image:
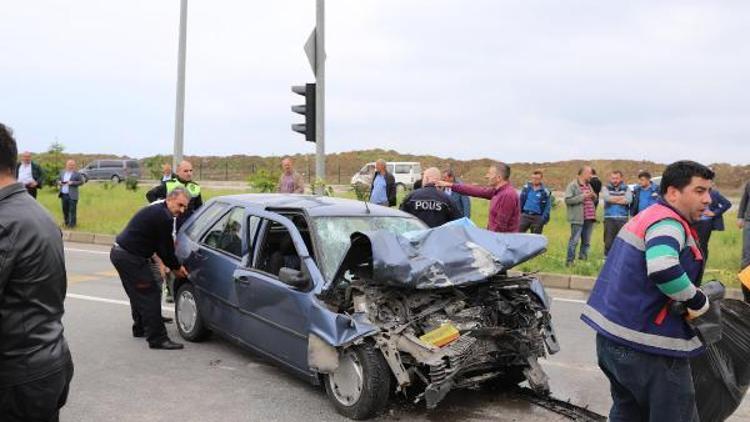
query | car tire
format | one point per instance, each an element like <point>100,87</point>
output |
<point>188,318</point>
<point>360,386</point>
<point>115,179</point>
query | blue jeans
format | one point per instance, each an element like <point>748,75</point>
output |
<point>582,233</point>
<point>646,387</point>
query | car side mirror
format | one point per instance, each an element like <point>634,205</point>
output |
<point>294,278</point>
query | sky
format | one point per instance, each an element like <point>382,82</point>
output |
<point>517,81</point>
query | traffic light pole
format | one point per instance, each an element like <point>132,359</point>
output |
<point>320,58</point>
<point>179,118</point>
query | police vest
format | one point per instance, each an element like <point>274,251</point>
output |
<point>193,188</point>
<point>625,305</point>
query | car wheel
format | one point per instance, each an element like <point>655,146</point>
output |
<point>187,315</point>
<point>359,387</point>
<point>115,179</point>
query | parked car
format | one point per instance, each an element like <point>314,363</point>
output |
<point>405,173</point>
<point>364,299</point>
<point>114,170</point>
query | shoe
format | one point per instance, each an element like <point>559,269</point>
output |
<point>167,320</point>
<point>139,334</point>
<point>166,345</point>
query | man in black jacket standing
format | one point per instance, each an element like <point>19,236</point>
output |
<point>383,187</point>
<point>150,231</point>
<point>429,204</point>
<point>35,363</point>
<point>29,173</point>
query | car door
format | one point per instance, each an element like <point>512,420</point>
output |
<point>275,316</point>
<point>219,255</point>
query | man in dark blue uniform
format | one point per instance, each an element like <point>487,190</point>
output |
<point>430,204</point>
<point>150,231</point>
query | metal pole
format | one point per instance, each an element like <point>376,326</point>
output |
<point>179,119</point>
<point>320,152</point>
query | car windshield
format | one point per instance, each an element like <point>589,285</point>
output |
<point>333,235</point>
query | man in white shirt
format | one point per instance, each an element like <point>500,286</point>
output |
<point>68,182</point>
<point>29,173</point>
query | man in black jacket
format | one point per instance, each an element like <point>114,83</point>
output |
<point>29,173</point>
<point>743,222</point>
<point>150,231</point>
<point>35,363</point>
<point>383,187</point>
<point>429,204</point>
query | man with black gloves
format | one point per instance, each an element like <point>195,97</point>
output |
<point>429,204</point>
<point>150,231</point>
<point>35,363</point>
<point>655,260</point>
<point>183,178</point>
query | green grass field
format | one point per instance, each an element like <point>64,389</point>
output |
<point>107,211</point>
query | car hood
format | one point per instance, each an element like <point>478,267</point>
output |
<point>455,254</point>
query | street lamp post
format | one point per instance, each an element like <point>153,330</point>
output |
<point>179,120</point>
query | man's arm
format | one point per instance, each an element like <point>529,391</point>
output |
<point>299,183</point>
<point>165,246</point>
<point>664,241</point>
<point>722,206</point>
<point>7,257</point>
<point>75,179</point>
<point>473,190</point>
<point>743,203</point>
<point>390,185</point>
<point>570,197</point>
<point>548,207</point>
<point>156,193</point>
<point>508,212</point>
<point>198,202</point>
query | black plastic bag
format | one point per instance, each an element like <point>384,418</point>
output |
<point>722,374</point>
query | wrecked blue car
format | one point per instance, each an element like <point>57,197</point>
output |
<point>364,299</point>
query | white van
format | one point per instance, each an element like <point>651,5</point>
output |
<point>405,173</point>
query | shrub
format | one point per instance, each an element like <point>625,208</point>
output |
<point>262,181</point>
<point>131,183</point>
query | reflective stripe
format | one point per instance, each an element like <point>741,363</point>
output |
<point>632,239</point>
<point>645,339</point>
<point>193,188</point>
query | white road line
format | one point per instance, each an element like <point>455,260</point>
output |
<point>105,300</point>
<point>562,299</point>
<point>87,251</point>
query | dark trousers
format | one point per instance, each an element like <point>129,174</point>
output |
<point>69,209</point>
<point>612,226</point>
<point>704,229</point>
<point>646,387</point>
<point>534,222</point>
<point>36,401</point>
<point>580,233</point>
<point>746,255</point>
<point>143,288</point>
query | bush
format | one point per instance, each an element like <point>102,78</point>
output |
<point>361,191</point>
<point>263,181</point>
<point>131,183</point>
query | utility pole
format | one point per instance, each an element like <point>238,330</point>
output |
<point>179,119</point>
<point>320,58</point>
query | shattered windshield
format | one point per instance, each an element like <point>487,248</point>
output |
<point>333,235</point>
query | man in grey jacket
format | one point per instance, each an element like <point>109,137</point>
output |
<point>580,201</point>
<point>743,222</point>
<point>35,363</point>
<point>68,183</point>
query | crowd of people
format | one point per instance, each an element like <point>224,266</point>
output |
<point>656,240</point>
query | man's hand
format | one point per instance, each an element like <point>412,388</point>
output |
<point>32,184</point>
<point>709,213</point>
<point>181,272</point>
<point>695,313</point>
<point>740,223</point>
<point>443,184</point>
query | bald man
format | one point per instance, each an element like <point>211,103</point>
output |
<point>68,183</point>
<point>431,205</point>
<point>183,178</point>
<point>29,173</point>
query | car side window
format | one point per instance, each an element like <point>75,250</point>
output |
<point>207,216</point>
<point>253,225</point>
<point>276,250</point>
<point>226,234</point>
<point>403,168</point>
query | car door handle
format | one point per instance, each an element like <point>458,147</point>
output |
<point>243,279</point>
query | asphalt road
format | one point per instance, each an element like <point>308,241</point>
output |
<point>118,378</point>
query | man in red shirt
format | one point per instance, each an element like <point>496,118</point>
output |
<point>505,211</point>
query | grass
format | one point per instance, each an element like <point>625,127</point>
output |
<point>102,210</point>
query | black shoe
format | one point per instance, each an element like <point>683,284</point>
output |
<point>166,345</point>
<point>139,334</point>
<point>166,320</point>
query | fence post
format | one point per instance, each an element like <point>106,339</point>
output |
<point>200,170</point>
<point>226,170</point>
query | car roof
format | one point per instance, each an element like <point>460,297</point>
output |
<point>312,205</point>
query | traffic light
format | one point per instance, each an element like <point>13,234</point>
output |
<point>307,110</point>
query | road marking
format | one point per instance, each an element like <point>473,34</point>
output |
<point>78,278</point>
<point>87,251</point>
<point>562,299</point>
<point>106,300</point>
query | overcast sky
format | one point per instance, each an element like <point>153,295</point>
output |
<point>511,80</point>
